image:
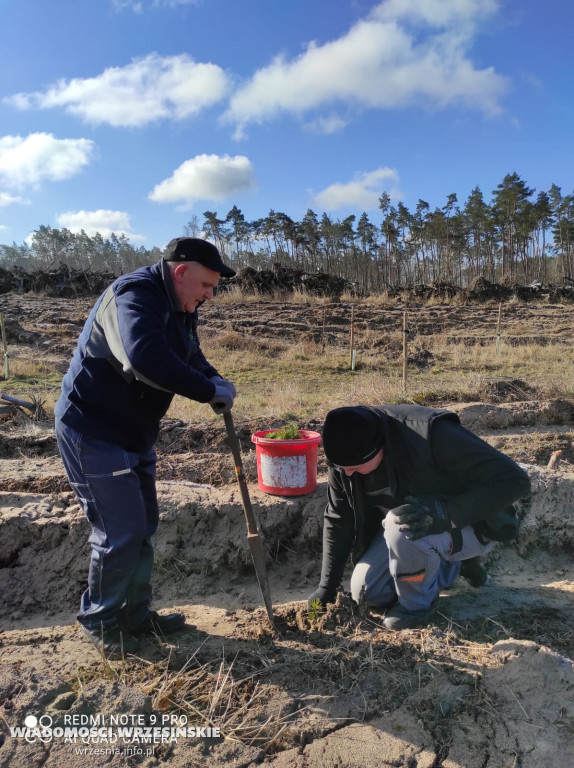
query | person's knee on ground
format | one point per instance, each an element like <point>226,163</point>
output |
<point>359,582</point>
<point>372,584</point>
<point>373,595</point>
<point>371,578</point>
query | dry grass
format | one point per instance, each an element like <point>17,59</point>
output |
<point>301,375</point>
<point>236,295</point>
<point>277,380</point>
<point>33,378</point>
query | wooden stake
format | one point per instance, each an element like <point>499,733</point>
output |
<point>498,328</point>
<point>405,350</point>
<point>5,345</point>
<point>352,335</point>
<point>323,331</point>
<point>554,460</point>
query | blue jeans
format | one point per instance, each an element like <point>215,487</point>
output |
<point>116,490</point>
<point>412,571</point>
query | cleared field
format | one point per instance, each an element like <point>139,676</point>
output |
<point>489,683</point>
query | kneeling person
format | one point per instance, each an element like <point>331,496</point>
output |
<point>419,499</point>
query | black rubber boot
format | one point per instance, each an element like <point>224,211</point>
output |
<point>475,573</point>
<point>154,624</point>
<point>399,618</point>
<point>111,642</point>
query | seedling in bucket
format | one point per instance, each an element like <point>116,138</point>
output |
<point>289,432</point>
<point>286,466</point>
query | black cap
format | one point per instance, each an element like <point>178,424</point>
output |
<point>195,249</point>
<point>352,435</point>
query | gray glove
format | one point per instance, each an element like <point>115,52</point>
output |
<point>222,400</point>
<point>219,380</point>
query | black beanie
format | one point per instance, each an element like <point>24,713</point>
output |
<point>352,435</point>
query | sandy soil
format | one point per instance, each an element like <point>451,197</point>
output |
<point>489,683</point>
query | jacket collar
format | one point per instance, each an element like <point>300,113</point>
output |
<point>169,287</point>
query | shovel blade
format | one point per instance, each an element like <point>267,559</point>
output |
<point>258,557</point>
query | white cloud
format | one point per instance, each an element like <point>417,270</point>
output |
<point>102,221</point>
<point>435,13</point>
<point>394,58</point>
<point>362,193</point>
<point>146,90</point>
<point>137,6</point>
<point>328,124</point>
<point>174,3</point>
<point>205,177</point>
<point>7,199</point>
<point>40,156</point>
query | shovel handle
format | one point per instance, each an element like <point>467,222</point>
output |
<point>242,480</point>
<point>253,539</point>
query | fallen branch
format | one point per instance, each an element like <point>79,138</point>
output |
<point>36,407</point>
<point>17,401</point>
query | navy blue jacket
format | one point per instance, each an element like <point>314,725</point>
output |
<point>137,349</point>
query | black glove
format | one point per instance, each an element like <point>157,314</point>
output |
<point>322,596</point>
<point>422,517</point>
<point>222,400</point>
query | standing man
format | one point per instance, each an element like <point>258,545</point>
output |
<point>418,496</point>
<point>139,347</point>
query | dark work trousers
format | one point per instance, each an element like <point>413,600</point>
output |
<point>116,489</point>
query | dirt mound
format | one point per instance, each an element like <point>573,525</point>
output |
<point>44,539</point>
<point>61,281</point>
<point>286,280</point>
<point>482,290</point>
<point>65,281</point>
<point>547,522</point>
<point>480,416</point>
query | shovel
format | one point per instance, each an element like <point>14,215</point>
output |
<point>252,531</point>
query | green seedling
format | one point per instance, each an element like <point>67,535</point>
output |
<point>316,610</point>
<point>289,432</point>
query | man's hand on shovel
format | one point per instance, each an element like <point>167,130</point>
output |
<point>222,400</point>
<point>253,539</point>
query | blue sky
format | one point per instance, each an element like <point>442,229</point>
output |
<point>135,115</point>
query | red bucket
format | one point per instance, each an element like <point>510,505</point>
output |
<point>287,467</point>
